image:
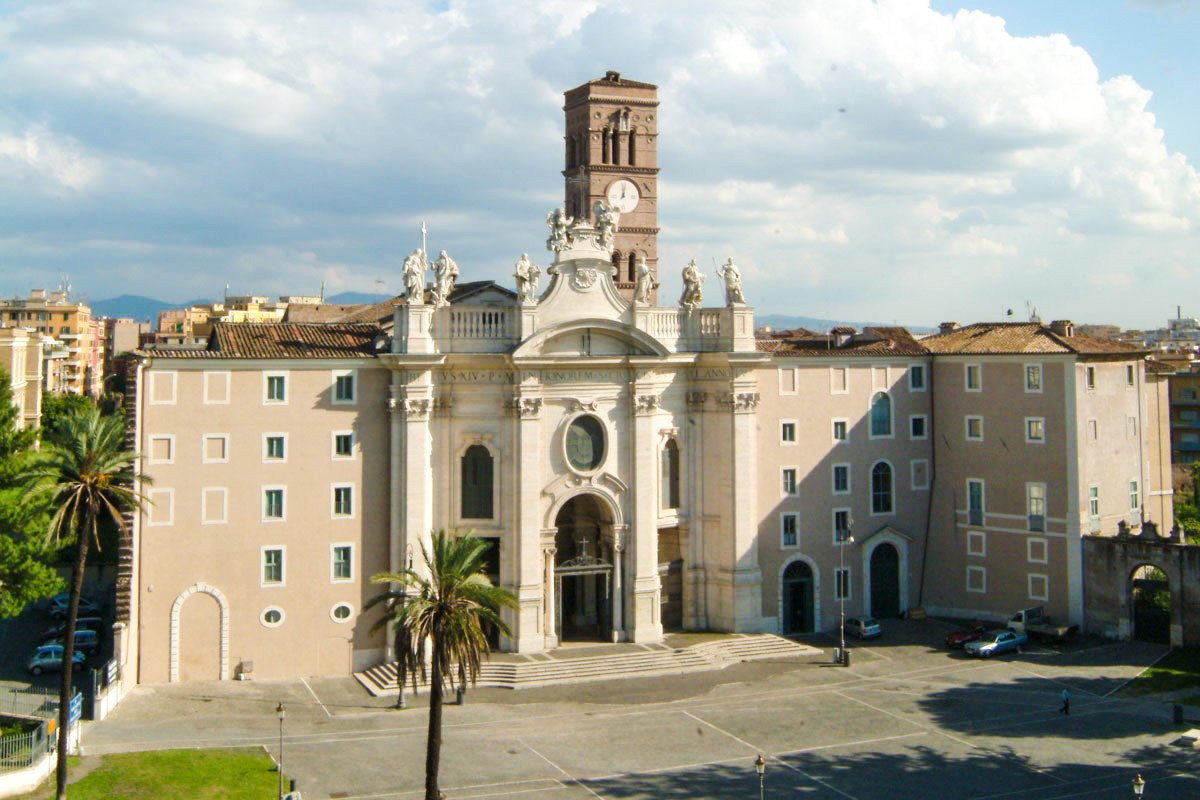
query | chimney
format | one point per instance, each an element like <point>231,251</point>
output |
<point>946,327</point>
<point>841,334</point>
<point>1063,327</point>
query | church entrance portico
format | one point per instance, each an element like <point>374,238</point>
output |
<point>585,576</point>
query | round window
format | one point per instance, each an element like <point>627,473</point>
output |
<point>341,612</point>
<point>272,617</point>
<point>585,444</point>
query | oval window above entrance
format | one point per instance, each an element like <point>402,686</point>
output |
<point>585,444</point>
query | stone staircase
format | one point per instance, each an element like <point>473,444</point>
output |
<point>654,661</point>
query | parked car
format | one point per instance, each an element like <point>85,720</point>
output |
<point>995,643</point>
<point>59,603</point>
<point>864,628</point>
<point>81,624</point>
<point>961,638</point>
<point>85,641</point>
<point>48,658</point>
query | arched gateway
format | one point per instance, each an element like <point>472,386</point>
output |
<point>584,571</point>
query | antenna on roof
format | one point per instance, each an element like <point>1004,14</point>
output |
<point>322,297</point>
<point>1031,312</point>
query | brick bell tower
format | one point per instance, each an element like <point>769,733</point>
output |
<point>612,155</point>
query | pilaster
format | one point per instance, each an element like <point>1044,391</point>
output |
<point>695,603</point>
<point>412,329</point>
<point>532,632</point>
<point>645,621</point>
<point>746,575</point>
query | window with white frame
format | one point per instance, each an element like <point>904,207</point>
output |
<point>916,377</point>
<point>341,613</point>
<point>341,563</point>
<point>272,566</point>
<point>973,377</point>
<point>1130,376</point>
<point>788,380</point>
<point>841,430</point>
<point>841,525</point>
<point>880,379</point>
<point>882,488</point>
<point>841,588</point>
<point>214,505</point>
<point>343,444</point>
<point>918,470</point>
<point>789,530</point>
<point>162,388</point>
<point>161,507</point>
<point>344,387</point>
<point>881,416</point>
<point>1035,430</point>
<point>787,431</point>
<point>788,475</point>
<point>161,449</point>
<point>342,500</point>
<point>839,380</point>
<point>1037,550</point>
<point>1089,378</point>
<point>272,503</point>
<point>1039,587</point>
<point>1035,505</point>
<point>275,388</point>
<point>976,543</point>
<point>974,429</point>
<point>918,427</point>
<point>841,479</point>
<point>274,447</point>
<point>1135,496</point>
<point>975,502</point>
<point>977,580</point>
<point>216,387</point>
<point>1033,377</point>
<point>214,448</point>
<point>1094,507</point>
<point>271,617</point>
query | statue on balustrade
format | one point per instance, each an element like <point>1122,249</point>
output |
<point>693,279</point>
<point>527,274</point>
<point>606,224</point>
<point>559,223</point>
<point>645,283</point>
<point>445,273</point>
<point>414,278</point>
<point>733,282</point>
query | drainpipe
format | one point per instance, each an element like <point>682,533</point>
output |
<point>932,485</point>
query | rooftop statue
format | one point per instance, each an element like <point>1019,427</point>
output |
<point>606,223</point>
<point>733,282</point>
<point>527,274</point>
<point>558,222</point>
<point>414,278</point>
<point>644,285</point>
<point>693,295</point>
<point>445,273</point>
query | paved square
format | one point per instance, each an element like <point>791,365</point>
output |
<point>907,719</point>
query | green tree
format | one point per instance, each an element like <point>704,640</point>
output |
<point>56,405</point>
<point>449,608</point>
<point>87,475</point>
<point>24,574</point>
<point>1196,484</point>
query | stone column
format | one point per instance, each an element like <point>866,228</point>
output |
<point>645,622</point>
<point>743,520</point>
<point>695,607</point>
<point>531,634</point>
<point>619,634</point>
<point>550,625</point>
<point>416,518</point>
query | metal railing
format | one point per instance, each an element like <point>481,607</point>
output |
<point>30,701</point>
<point>23,750</point>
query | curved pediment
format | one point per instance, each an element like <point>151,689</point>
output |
<point>590,337</point>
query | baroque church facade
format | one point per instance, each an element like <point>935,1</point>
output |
<point>635,467</point>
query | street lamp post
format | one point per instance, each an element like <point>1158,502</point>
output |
<point>760,766</point>
<point>280,712</point>
<point>1139,785</point>
<point>845,537</point>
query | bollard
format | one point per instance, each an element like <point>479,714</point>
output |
<point>845,658</point>
<point>1177,714</point>
<point>460,692</point>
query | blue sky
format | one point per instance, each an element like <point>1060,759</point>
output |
<point>892,160</point>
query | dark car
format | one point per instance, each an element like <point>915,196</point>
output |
<point>85,641</point>
<point>960,638</point>
<point>81,624</point>
<point>59,603</point>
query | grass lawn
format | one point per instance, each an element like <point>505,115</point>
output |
<point>246,774</point>
<point>1180,669</point>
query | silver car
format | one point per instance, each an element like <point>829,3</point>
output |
<point>864,627</point>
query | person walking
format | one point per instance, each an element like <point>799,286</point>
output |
<point>1066,706</point>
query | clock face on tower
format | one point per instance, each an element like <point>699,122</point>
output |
<point>623,196</point>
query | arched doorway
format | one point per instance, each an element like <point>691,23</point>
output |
<point>1150,593</point>
<point>583,570</point>
<point>798,591</point>
<point>885,581</point>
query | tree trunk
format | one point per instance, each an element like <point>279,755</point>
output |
<point>433,747</point>
<point>64,686</point>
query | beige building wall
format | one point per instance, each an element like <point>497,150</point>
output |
<point>201,594</point>
<point>19,357</point>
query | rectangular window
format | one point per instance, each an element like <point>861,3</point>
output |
<point>975,502</point>
<point>880,379</point>
<point>272,566</point>
<point>918,470</point>
<point>274,447</point>
<point>841,525</point>
<point>1089,378</point>
<point>162,449</point>
<point>1187,394</point>
<point>787,380</point>
<point>839,380</point>
<point>841,587</point>
<point>216,387</point>
<point>977,580</point>
<point>343,444</point>
<point>1035,430</point>
<point>841,479</point>
<point>1036,550</point>
<point>1093,430</point>
<point>840,427</point>
<point>916,378</point>
<point>343,387</point>
<point>161,509</point>
<point>1130,375</point>
<point>275,387</point>
<point>789,481</point>
<point>214,505</point>
<point>215,448</point>
<point>917,427</point>
<point>1039,587</point>
<point>976,543</point>
<point>341,566</point>
<point>973,376</point>
<point>273,504</point>
<point>162,388</point>
<point>1135,497</point>
<point>343,501</point>
<point>974,429</point>
<point>1094,507</point>
<point>789,529</point>
<point>787,432</point>
<point>1033,377</point>
<point>1035,503</point>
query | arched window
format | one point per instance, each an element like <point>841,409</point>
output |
<point>604,140</point>
<point>881,488</point>
<point>632,147</point>
<point>477,483</point>
<point>616,262</point>
<point>632,267</point>
<point>616,147</point>
<point>881,414</point>
<point>670,474</point>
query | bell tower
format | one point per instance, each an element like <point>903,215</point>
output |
<point>612,155</point>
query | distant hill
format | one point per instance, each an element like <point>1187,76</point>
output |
<point>130,305</point>
<point>780,322</point>
<point>350,298</point>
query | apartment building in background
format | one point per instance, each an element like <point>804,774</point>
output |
<point>68,321</point>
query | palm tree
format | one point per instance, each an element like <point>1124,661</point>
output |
<point>87,476</point>
<point>447,608</point>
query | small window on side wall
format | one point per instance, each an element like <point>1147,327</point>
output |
<point>477,472</point>
<point>670,475</point>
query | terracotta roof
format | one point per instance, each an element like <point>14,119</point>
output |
<point>873,341</point>
<point>380,313</point>
<point>324,312</point>
<point>1154,365</point>
<point>1020,337</point>
<point>283,340</point>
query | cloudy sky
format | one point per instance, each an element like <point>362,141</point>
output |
<point>897,160</point>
